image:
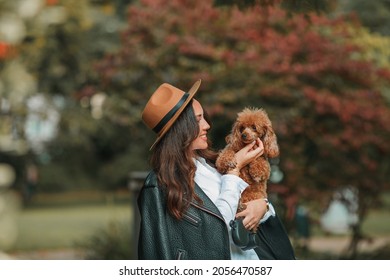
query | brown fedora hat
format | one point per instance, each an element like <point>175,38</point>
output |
<point>164,107</point>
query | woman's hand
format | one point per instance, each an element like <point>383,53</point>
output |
<point>252,214</point>
<point>246,155</point>
<point>249,153</point>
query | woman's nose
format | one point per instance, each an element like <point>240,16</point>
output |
<point>206,126</point>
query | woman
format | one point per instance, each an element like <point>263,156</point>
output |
<point>185,204</point>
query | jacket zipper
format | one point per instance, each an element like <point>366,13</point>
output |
<point>191,219</point>
<point>180,254</point>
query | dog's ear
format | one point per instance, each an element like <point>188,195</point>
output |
<point>271,148</point>
<point>233,139</point>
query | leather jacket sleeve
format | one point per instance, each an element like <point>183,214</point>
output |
<point>154,237</point>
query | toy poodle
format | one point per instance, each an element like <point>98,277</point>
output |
<point>251,123</point>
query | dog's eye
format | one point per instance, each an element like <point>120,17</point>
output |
<point>253,127</point>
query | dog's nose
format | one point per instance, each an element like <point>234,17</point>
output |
<point>244,136</point>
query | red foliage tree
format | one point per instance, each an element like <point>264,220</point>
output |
<point>327,108</point>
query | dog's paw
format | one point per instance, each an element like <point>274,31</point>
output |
<point>231,165</point>
<point>259,178</point>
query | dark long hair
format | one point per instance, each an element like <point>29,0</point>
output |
<point>172,160</point>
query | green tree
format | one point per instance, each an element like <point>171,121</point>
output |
<point>375,15</point>
<point>54,54</point>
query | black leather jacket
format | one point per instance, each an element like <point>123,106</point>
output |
<point>201,234</point>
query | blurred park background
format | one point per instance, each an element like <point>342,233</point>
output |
<point>75,75</point>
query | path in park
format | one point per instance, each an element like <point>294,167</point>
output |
<point>319,244</point>
<point>339,244</point>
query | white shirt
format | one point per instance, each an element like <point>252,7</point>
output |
<point>224,191</point>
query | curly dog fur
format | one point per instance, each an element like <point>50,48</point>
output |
<point>250,124</point>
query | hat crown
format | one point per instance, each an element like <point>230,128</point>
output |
<point>163,100</point>
<point>164,107</point>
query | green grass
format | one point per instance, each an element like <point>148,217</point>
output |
<point>51,228</point>
<point>377,223</point>
<point>55,221</point>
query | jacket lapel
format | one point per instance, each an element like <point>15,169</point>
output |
<point>207,205</point>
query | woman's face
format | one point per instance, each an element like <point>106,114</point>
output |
<point>200,142</point>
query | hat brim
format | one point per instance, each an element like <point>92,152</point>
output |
<point>165,129</point>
